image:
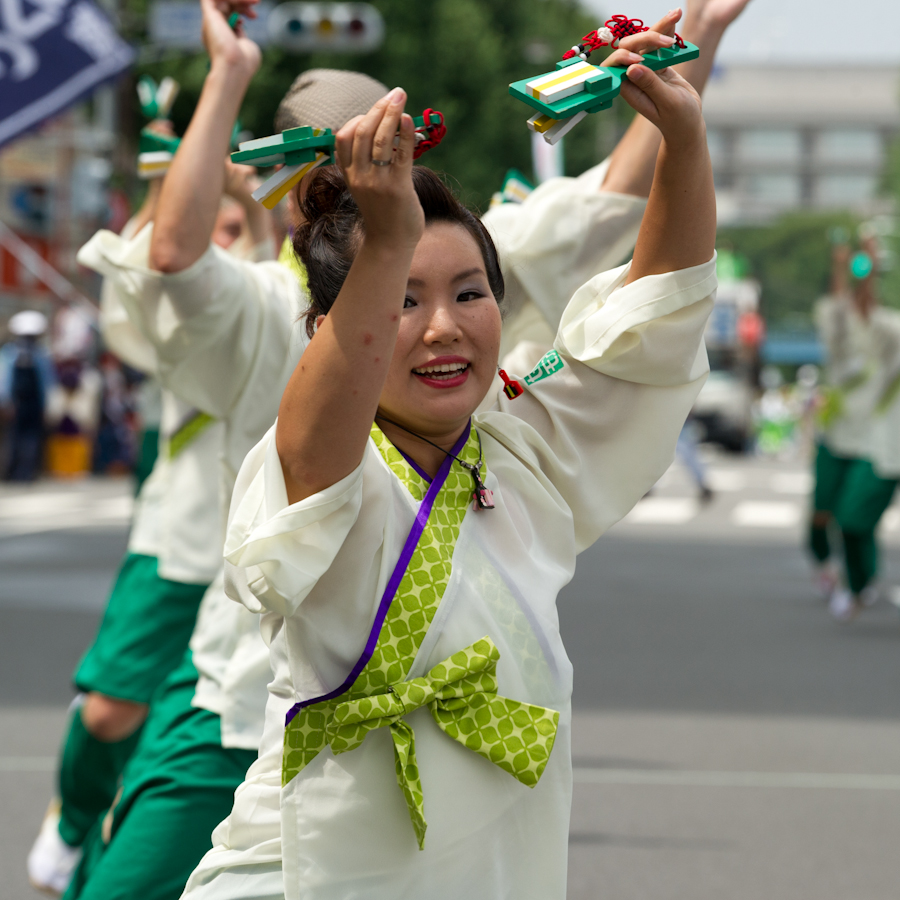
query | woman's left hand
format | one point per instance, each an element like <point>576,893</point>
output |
<point>669,102</point>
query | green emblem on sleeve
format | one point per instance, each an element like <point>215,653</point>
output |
<point>550,363</point>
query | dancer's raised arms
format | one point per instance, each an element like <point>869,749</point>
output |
<point>679,226</point>
<point>331,400</point>
<point>633,161</point>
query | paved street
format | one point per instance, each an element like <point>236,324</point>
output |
<point>730,740</point>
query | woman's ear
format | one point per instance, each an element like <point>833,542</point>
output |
<point>319,320</point>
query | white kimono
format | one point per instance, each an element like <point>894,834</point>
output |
<point>595,429</point>
<point>224,338</point>
<point>563,234</point>
<point>853,374</point>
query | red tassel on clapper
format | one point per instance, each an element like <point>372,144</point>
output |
<point>511,388</point>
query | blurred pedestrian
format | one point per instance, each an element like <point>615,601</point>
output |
<point>777,415</point>
<point>26,379</point>
<point>73,417</point>
<point>115,446</point>
<point>687,450</point>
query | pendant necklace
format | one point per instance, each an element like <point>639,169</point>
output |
<point>483,497</point>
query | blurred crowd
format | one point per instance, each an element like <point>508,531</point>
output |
<point>68,407</point>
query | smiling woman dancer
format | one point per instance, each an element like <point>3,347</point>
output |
<point>388,600</point>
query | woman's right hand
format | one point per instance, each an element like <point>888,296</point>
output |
<point>385,196</point>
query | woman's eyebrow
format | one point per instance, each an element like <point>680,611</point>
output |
<point>477,270</point>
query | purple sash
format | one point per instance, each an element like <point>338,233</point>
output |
<point>393,584</point>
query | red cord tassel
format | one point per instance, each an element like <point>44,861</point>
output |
<point>511,388</point>
<point>621,27</point>
<point>433,131</point>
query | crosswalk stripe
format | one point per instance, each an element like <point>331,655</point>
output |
<point>663,511</point>
<point>800,483</point>
<point>766,514</point>
<point>726,481</point>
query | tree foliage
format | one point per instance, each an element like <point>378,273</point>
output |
<point>457,56</point>
<point>791,258</point>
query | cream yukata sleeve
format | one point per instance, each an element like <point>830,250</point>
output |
<point>223,329</point>
<point>179,513</point>
<point>418,639</point>
<point>563,234</point>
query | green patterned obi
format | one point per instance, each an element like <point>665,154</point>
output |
<point>460,692</point>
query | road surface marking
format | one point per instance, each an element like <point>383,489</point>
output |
<point>725,481</point>
<point>47,516</point>
<point>791,483</point>
<point>766,514</point>
<point>663,511</point>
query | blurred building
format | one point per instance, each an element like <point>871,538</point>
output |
<point>54,195</point>
<point>812,137</point>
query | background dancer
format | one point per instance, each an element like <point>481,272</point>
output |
<point>846,488</point>
<point>174,552</point>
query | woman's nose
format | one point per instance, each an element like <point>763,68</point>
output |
<point>442,326</point>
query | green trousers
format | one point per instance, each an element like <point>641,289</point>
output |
<point>143,636</point>
<point>856,497</point>
<point>176,788</point>
<point>144,632</point>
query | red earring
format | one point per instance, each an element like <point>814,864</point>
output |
<point>511,388</point>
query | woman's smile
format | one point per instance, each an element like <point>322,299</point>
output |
<point>444,372</point>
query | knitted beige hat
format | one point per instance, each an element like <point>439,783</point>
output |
<point>327,98</point>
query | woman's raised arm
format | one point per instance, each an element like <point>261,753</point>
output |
<point>331,399</point>
<point>679,227</point>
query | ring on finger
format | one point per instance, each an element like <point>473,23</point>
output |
<point>382,162</point>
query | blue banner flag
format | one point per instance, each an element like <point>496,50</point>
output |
<point>52,53</point>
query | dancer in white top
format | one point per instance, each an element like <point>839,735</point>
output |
<point>855,331</point>
<point>384,592</point>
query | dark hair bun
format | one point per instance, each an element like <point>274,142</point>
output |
<point>329,237</point>
<point>325,203</point>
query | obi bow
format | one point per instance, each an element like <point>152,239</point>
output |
<point>461,693</point>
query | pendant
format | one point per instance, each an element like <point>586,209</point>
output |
<point>484,498</point>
